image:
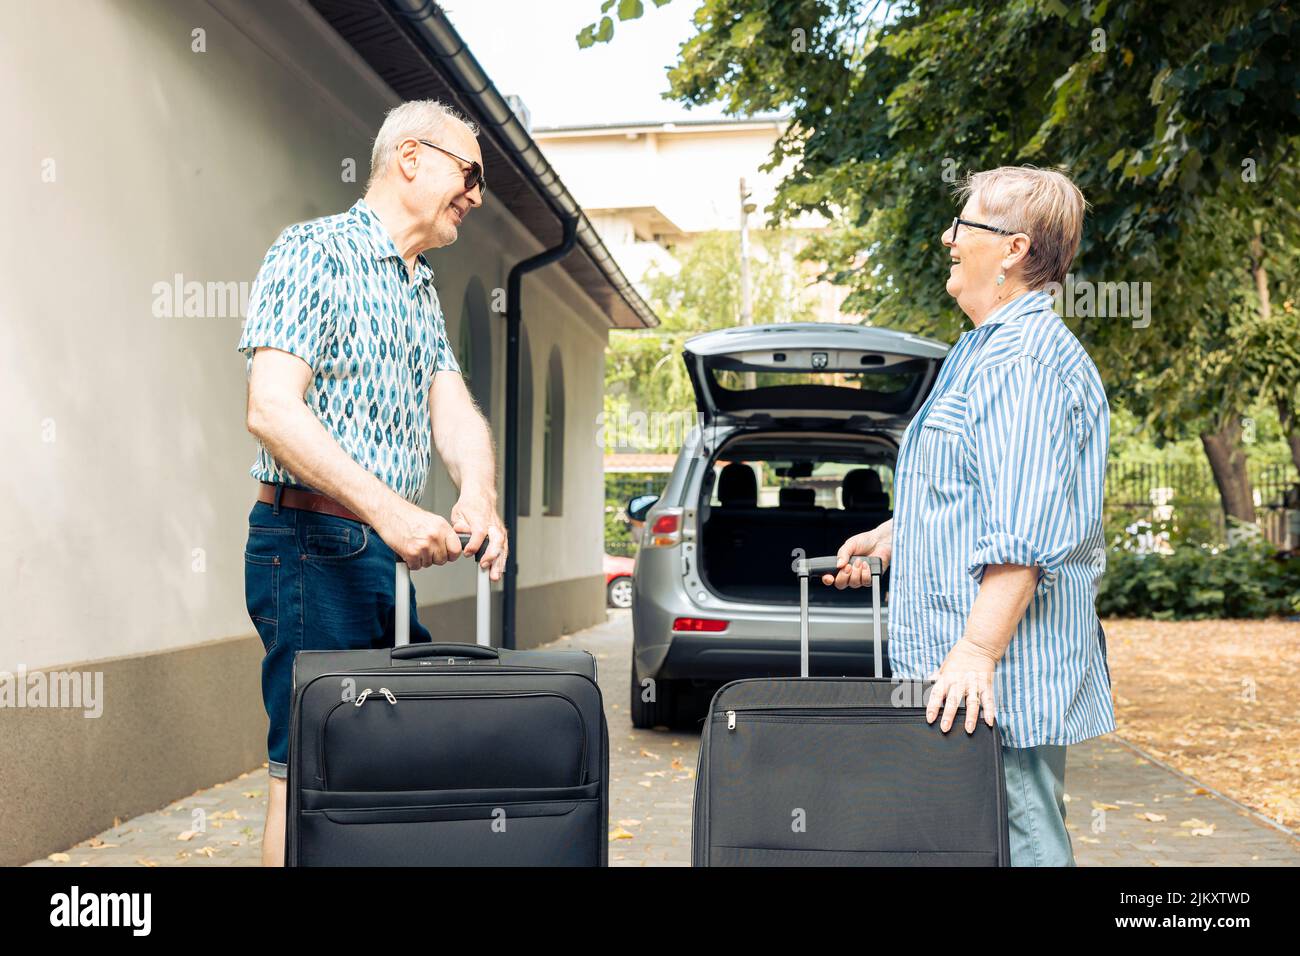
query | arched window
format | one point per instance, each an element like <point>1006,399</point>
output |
<point>553,440</point>
<point>525,471</point>
<point>475,346</point>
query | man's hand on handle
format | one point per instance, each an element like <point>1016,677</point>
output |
<point>476,516</point>
<point>878,542</point>
<point>420,538</point>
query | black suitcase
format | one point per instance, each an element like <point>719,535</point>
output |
<point>447,754</point>
<point>843,771</point>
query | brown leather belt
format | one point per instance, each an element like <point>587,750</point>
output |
<point>305,501</point>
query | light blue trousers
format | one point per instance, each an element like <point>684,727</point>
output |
<point>1036,806</point>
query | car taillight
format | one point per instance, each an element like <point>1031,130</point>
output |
<point>666,531</point>
<point>699,624</point>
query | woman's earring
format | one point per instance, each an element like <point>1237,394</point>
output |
<point>1001,278</point>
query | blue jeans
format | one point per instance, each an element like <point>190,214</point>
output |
<point>1036,806</point>
<point>314,582</point>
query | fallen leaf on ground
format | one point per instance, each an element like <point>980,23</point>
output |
<point>1152,817</point>
<point>144,862</point>
<point>185,836</point>
<point>1097,805</point>
<point>647,753</point>
<point>59,858</point>
<point>618,833</point>
<point>629,823</point>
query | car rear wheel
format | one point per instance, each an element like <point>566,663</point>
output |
<point>619,592</point>
<point>660,710</point>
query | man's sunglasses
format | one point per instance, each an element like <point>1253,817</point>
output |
<point>473,176</point>
<point>958,221</point>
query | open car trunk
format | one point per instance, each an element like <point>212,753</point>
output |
<point>769,495</point>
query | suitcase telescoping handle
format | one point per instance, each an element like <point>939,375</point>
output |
<point>829,565</point>
<point>483,608</point>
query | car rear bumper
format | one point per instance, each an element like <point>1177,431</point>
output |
<point>759,641</point>
<point>716,658</point>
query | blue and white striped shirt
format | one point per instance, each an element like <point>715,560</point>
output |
<point>1005,464</point>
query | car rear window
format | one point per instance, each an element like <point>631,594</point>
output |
<point>823,477</point>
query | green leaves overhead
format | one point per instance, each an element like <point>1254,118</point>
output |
<point>602,31</point>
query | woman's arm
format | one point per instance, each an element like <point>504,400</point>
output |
<point>967,671</point>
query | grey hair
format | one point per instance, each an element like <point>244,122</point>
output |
<point>1043,203</point>
<point>424,119</point>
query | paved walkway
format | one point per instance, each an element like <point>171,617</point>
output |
<point>1123,809</point>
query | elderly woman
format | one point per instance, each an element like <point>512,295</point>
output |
<point>996,538</point>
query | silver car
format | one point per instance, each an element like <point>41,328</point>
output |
<point>794,452</point>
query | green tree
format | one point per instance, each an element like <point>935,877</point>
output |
<point>1179,122</point>
<point>644,371</point>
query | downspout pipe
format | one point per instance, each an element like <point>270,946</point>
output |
<point>514,321</point>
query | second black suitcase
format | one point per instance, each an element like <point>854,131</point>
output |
<point>447,755</point>
<point>843,771</point>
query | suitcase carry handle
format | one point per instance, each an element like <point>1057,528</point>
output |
<point>806,566</point>
<point>482,610</point>
<point>412,652</point>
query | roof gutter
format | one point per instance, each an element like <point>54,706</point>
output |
<point>464,71</point>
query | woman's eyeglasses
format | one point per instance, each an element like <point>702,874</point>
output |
<point>958,221</point>
<point>473,176</point>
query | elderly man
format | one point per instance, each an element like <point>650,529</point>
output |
<point>351,382</point>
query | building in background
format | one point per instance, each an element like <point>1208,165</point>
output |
<point>160,147</point>
<point>651,188</point>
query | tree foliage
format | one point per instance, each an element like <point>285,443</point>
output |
<point>1179,121</point>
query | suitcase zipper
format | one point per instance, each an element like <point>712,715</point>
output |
<point>777,714</point>
<point>392,700</point>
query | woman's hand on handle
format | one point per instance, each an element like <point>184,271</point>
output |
<point>876,543</point>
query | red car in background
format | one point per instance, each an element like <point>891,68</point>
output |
<point>618,581</point>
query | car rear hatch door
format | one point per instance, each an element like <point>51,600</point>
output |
<point>811,374</point>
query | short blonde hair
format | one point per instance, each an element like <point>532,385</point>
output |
<point>423,119</point>
<point>1042,203</point>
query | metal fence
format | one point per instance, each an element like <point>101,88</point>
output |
<point>1187,494</point>
<point>1157,493</point>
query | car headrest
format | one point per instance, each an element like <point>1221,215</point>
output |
<point>737,486</point>
<point>861,490</point>
<point>798,497</point>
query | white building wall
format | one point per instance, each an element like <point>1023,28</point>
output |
<point>131,158</point>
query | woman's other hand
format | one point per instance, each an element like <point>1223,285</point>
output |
<point>966,673</point>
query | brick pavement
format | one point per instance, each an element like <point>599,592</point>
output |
<point>1123,809</point>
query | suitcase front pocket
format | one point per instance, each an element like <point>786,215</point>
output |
<point>453,742</point>
<point>827,785</point>
<point>484,827</point>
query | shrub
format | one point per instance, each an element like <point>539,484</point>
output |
<point>1249,579</point>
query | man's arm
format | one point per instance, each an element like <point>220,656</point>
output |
<point>464,443</point>
<point>282,422</point>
